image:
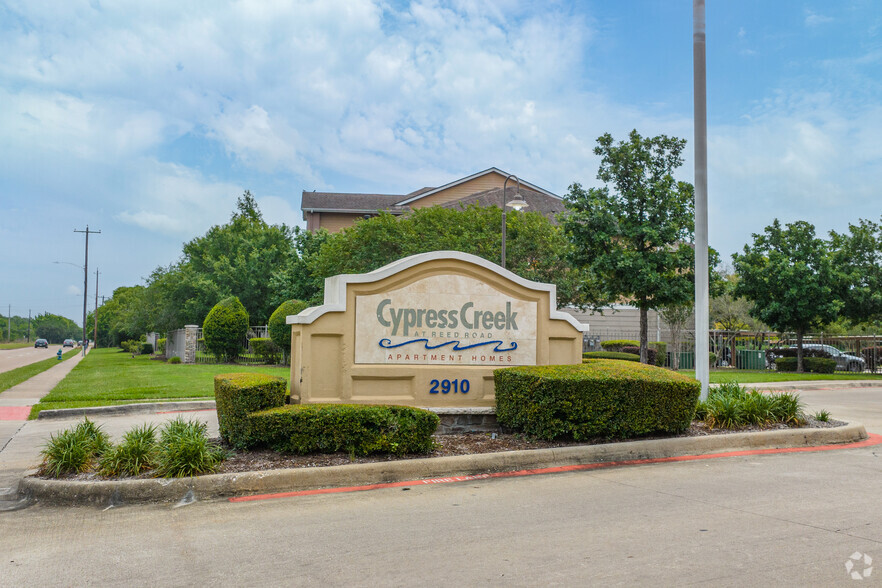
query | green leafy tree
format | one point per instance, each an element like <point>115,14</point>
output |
<point>225,328</point>
<point>788,275</point>
<point>55,328</point>
<point>537,249</point>
<point>858,256</point>
<point>279,329</point>
<point>634,235</point>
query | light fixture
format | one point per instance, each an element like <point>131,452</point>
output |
<point>517,203</point>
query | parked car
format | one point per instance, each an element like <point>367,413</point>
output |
<point>41,343</point>
<point>844,361</point>
<point>68,343</point>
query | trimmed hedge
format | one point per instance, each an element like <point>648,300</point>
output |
<point>356,429</point>
<point>617,344</point>
<point>237,396</point>
<point>265,349</point>
<point>279,329</point>
<point>146,349</point>
<point>773,353</point>
<point>610,355</point>
<point>818,365</point>
<point>225,328</point>
<point>651,354</point>
<point>600,398</point>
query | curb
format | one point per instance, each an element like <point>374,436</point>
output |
<point>120,492</point>
<point>124,409</point>
<point>817,385</point>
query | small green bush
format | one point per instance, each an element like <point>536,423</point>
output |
<point>265,349</point>
<point>73,450</point>
<point>160,346</point>
<point>817,365</point>
<point>185,450</point>
<point>131,346</point>
<point>279,329</point>
<point>238,395</point>
<point>661,352</point>
<point>146,349</point>
<point>224,329</point>
<point>617,344</point>
<point>355,429</point>
<point>174,359</point>
<point>135,454</point>
<point>610,355</point>
<point>731,406</point>
<point>600,398</point>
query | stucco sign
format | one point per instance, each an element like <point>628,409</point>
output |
<point>445,320</point>
<point>427,330</point>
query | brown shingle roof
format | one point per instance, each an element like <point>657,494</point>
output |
<point>549,206</point>
<point>338,201</point>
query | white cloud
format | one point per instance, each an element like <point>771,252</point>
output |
<point>813,19</point>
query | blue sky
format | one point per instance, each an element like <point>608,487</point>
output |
<point>147,120</point>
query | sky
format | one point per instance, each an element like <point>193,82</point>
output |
<point>146,120</point>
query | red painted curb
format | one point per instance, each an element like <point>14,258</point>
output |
<point>14,413</point>
<point>870,441</point>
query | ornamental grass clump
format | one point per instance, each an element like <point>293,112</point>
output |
<point>185,450</point>
<point>731,406</point>
<point>136,454</point>
<point>74,450</point>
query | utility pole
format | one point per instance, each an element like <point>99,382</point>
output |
<point>9,323</point>
<point>95,331</point>
<point>702,296</point>
<point>29,325</point>
<point>85,282</point>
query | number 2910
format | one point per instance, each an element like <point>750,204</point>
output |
<point>447,386</point>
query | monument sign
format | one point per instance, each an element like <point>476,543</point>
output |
<point>427,330</point>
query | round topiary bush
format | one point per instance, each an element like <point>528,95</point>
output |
<point>599,398</point>
<point>225,328</point>
<point>279,329</point>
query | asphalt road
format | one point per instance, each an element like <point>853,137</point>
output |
<point>13,358</point>
<point>785,519</point>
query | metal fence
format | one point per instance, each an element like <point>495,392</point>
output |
<point>747,349</point>
<point>176,342</point>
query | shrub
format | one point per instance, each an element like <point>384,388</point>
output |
<point>131,346</point>
<point>146,349</point>
<point>73,450</point>
<point>712,358</point>
<point>731,406</point>
<point>598,398</point>
<point>184,450</point>
<point>617,344</point>
<point>174,359</point>
<point>279,329</point>
<point>355,429</point>
<point>265,349</point>
<point>225,328</point>
<point>160,346</point>
<point>818,365</point>
<point>661,352</point>
<point>238,395</point>
<point>651,353</point>
<point>773,353</point>
<point>610,355</point>
<point>136,453</point>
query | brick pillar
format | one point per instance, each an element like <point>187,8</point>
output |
<point>190,343</point>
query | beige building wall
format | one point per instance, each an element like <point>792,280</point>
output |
<point>479,184</point>
<point>324,339</point>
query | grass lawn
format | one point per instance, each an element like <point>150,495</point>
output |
<point>107,376</point>
<point>18,375</point>
<point>752,376</point>
<point>15,345</point>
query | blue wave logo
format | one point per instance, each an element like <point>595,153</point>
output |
<point>457,346</point>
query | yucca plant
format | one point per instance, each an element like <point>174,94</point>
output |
<point>185,450</point>
<point>135,454</point>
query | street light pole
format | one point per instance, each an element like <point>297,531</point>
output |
<point>85,282</point>
<point>517,203</point>
<point>702,296</point>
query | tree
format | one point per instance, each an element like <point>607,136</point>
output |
<point>676,317</point>
<point>279,329</point>
<point>537,249</point>
<point>635,234</point>
<point>789,277</point>
<point>729,312</point>
<point>858,256</point>
<point>55,328</point>
<point>225,328</point>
